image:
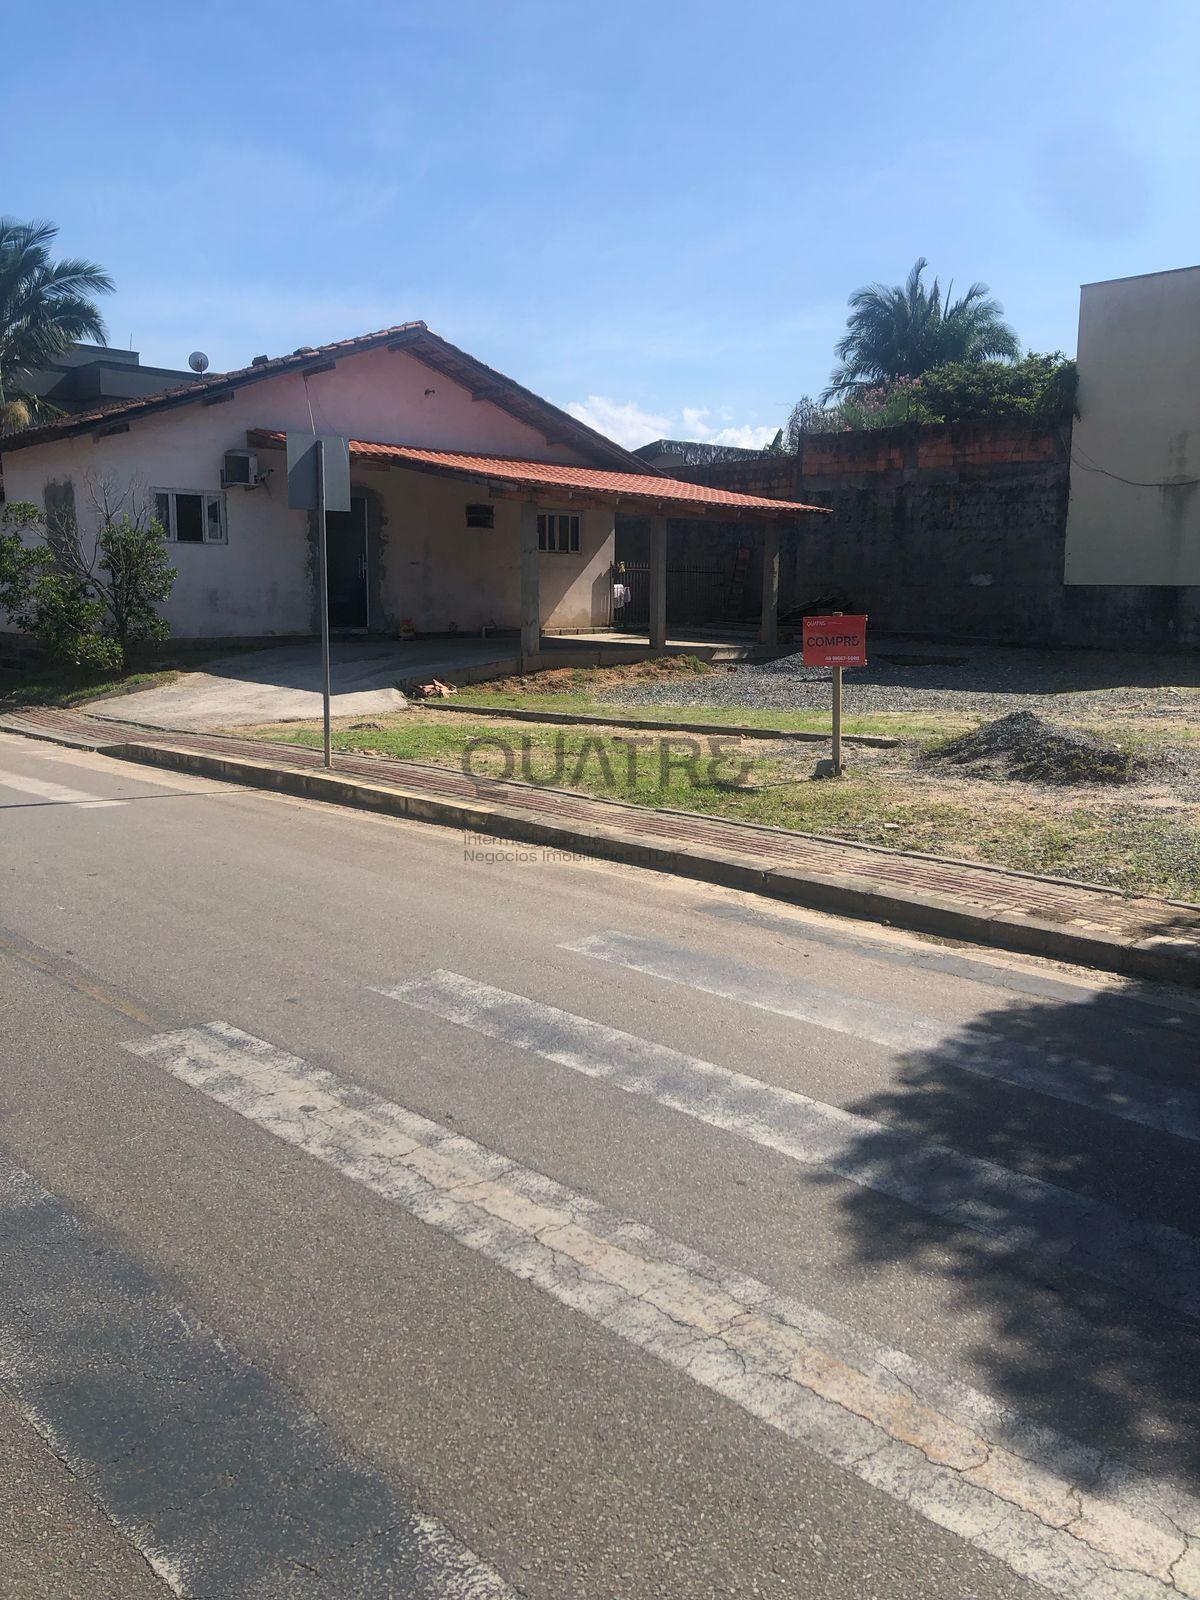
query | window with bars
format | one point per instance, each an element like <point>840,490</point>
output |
<point>481,516</point>
<point>190,517</point>
<point>559,531</point>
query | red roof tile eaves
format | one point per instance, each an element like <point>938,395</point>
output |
<point>553,474</point>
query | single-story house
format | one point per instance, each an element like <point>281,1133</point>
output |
<point>475,504</point>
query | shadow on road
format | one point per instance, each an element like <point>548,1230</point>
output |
<point>1099,1362</point>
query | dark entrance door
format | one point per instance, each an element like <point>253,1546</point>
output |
<point>346,539</point>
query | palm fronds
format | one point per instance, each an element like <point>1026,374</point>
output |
<point>46,306</point>
<point>900,331</point>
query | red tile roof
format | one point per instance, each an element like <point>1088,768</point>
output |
<point>645,494</point>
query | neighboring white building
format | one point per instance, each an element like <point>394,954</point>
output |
<point>475,503</point>
<point>1134,515</point>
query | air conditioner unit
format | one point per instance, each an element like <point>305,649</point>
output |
<point>240,470</point>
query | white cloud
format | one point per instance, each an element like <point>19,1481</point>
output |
<point>699,424</point>
<point>630,425</point>
<point>627,423</point>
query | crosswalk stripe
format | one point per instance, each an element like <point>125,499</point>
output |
<point>55,793</point>
<point>197,1458</point>
<point>1053,1511</point>
<point>1020,1212</point>
<point>1082,1083</point>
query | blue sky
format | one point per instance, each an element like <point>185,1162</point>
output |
<point>649,212</point>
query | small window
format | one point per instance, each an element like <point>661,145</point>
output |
<point>190,517</point>
<point>559,530</point>
<point>481,516</point>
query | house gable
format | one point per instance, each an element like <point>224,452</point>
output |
<point>362,364</point>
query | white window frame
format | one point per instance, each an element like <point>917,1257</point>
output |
<point>574,543</point>
<point>207,498</point>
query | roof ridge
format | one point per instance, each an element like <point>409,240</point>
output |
<point>416,335</point>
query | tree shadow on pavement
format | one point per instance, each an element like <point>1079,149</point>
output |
<point>1105,1364</point>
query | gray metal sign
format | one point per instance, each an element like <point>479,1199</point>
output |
<point>302,454</point>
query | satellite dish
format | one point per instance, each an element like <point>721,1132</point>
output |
<point>198,361</point>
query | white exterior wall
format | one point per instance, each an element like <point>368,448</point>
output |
<point>1139,419</point>
<point>576,590</point>
<point>259,584</point>
<point>448,577</point>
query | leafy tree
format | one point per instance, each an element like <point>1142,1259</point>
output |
<point>20,563</point>
<point>87,610</point>
<point>1041,387</point>
<point>901,331</point>
<point>45,306</point>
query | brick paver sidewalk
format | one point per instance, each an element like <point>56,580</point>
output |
<point>992,891</point>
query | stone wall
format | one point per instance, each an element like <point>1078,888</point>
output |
<point>954,532</point>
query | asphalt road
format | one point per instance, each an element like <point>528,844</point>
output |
<point>383,1213</point>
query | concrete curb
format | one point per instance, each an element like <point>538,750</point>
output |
<point>728,729</point>
<point>1162,958</point>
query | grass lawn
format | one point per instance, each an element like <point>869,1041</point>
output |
<point>1131,846</point>
<point>595,691</point>
<point>71,686</point>
<point>75,686</point>
<point>893,724</point>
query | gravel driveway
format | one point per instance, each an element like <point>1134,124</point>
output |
<point>970,681</point>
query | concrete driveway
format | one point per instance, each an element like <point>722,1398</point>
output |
<point>284,683</point>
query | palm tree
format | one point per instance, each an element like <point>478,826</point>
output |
<point>45,306</point>
<point>895,332</point>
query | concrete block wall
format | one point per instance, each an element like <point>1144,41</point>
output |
<point>946,532</point>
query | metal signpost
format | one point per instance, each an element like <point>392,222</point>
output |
<point>837,642</point>
<point>318,472</point>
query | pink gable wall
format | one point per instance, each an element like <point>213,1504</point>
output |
<point>259,583</point>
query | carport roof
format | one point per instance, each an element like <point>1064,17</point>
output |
<point>515,477</point>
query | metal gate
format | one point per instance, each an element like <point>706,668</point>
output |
<point>695,596</point>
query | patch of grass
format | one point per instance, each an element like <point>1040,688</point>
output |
<point>44,685</point>
<point>72,686</point>
<point>891,724</point>
<point>1139,849</point>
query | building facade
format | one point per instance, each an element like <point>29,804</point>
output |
<point>1134,514</point>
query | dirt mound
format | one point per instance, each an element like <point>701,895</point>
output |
<point>1023,746</point>
<point>574,680</point>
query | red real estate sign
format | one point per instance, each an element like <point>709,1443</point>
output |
<point>835,641</point>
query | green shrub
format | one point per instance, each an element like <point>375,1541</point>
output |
<point>1040,388</point>
<point>85,611</point>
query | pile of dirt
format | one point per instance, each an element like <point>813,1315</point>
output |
<point>574,680</point>
<point>1025,747</point>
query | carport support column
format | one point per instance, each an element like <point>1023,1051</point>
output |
<point>531,599</point>
<point>768,630</point>
<point>658,583</point>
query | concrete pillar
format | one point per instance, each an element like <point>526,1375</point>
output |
<point>658,583</point>
<point>768,631</point>
<point>531,600</point>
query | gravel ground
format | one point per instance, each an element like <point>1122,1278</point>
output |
<point>988,682</point>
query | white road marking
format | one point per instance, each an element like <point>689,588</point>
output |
<point>1020,1212</point>
<point>55,793</point>
<point>1079,1082</point>
<point>1053,1510</point>
<point>158,1418</point>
